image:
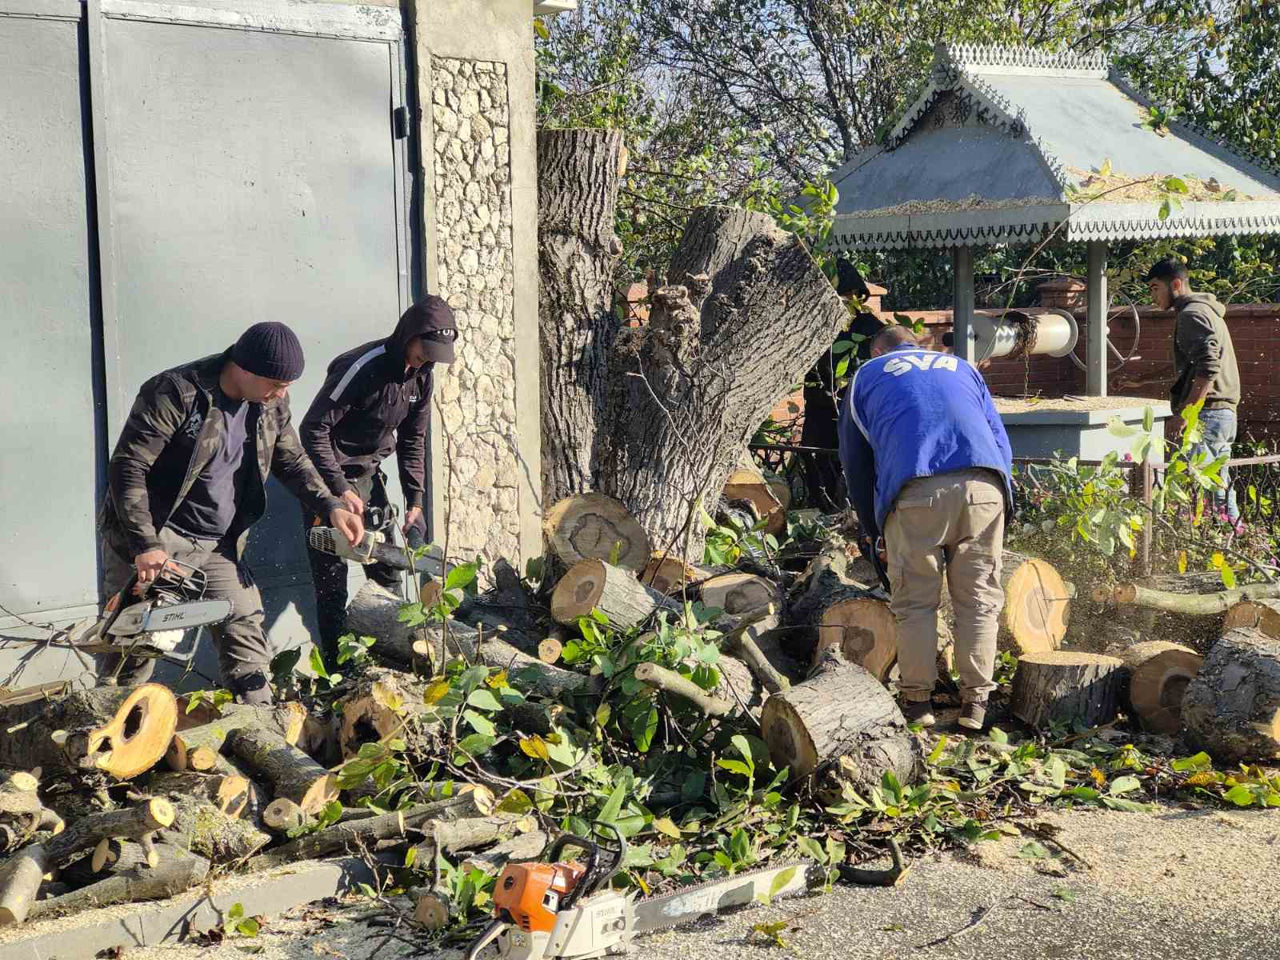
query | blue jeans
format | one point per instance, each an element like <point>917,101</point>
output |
<point>1218,433</point>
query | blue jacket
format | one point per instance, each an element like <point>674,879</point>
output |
<point>916,413</point>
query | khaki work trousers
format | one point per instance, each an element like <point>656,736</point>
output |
<point>953,521</point>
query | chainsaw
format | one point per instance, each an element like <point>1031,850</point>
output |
<point>373,547</point>
<point>155,623</point>
<point>567,911</point>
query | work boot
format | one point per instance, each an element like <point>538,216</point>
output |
<point>918,711</point>
<point>973,714</point>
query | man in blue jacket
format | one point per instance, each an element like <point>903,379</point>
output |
<point>928,465</point>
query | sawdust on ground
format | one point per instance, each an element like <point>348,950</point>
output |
<point>1113,187</point>
<point>1179,883</point>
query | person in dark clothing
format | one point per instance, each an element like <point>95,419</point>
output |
<point>375,399</point>
<point>1204,362</point>
<point>824,479</point>
<point>187,480</point>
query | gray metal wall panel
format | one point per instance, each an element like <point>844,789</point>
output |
<point>48,565</point>
<point>251,177</point>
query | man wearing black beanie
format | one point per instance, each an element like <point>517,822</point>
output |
<point>375,399</point>
<point>188,479</point>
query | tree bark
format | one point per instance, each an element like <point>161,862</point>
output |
<point>615,592</point>
<point>1232,707</point>
<point>528,673</point>
<point>842,711</point>
<point>579,172</point>
<point>228,792</point>
<point>291,772</point>
<point>1195,604</point>
<point>384,701</point>
<point>744,316</point>
<point>1067,687</point>
<point>174,873</point>
<point>660,678</point>
<point>201,828</point>
<point>119,730</point>
<point>592,526</point>
<point>1159,674</point>
<point>195,747</point>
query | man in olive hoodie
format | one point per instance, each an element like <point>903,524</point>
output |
<point>376,399</point>
<point>1204,362</point>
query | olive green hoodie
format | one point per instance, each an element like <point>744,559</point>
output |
<point>1202,348</point>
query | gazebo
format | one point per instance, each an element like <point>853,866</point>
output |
<point>1006,145</point>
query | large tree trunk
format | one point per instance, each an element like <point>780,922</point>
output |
<point>746,312</point>
<point>1232,707</point>
<point>1066,686</point>
<point>578,176</point>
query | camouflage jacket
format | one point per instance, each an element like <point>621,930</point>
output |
<point>169,438</point>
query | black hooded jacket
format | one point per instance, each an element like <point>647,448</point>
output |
<point>370,406</point>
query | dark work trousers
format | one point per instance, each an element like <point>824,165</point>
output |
<point>329,573</point>
<point>244,654</point>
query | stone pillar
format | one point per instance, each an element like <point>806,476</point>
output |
<point>475,78</point>
<point>963,344</point>
<point>1095,338</point>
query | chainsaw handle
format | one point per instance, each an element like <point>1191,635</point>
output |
<point>487,936</point>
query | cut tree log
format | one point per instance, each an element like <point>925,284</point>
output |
<point>228,792</point>
<point>290,772</point>
<point>526,846</point>
<point>579,172</point>
<point>667,573</point>
<point>614,591</point>
<point>592,526</point>
<point>745,640</point>
<point>22,873</point>
<point>22,813</point>
<point>118,730</point>
<point>1232,706</point>
<point>687,390</point>
<point>769,500</point>
<point>549,650</point>
<point>375,612</point>
<point>202,829</point>
<point>1037,604</point>
<point>438,647</point>
<point>1159,673</point>
<point>860,624</point>
<point>1262,615</point>
<point>1067,687</point>
<point>1194,604</point>
<point>283,815</point>
<point>173,873</point>
<point>739,594</point>
<point>841,711</point>
<point>384,703</point>
<point>196,748</point>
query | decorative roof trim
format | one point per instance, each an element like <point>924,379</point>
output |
<point>1258,167</point>
<point>970,56</point>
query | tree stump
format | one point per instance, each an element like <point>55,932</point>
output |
<point>283,816</point>
<point>615,592</point>
<point>1232,707</point>
<point>841,711</point>
<point>1159,674</point>
<point>120,731</point>
<point>1037,605</point>
<point>291,772</point>
<point>1067,687</point>
<point>592,526</point>
<point>1261,615</point>
<point>197,748</point>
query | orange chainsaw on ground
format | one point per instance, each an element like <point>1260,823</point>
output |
<point>566,910</point>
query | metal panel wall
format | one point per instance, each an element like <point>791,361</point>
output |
<point>48,567</point>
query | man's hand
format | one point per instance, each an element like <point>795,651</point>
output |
<point>412,519</point>
<point>348,524</point>
<point>353,502</point>
<point>149,565</point>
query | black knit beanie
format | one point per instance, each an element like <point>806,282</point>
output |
<point>271,350</point>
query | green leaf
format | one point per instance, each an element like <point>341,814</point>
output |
<point>248,927</point>
<point>516,802</point>
<point>477,744</point>
<point>936,752</point>
<point>1063,894</point>
<point>480,723</point>
<point>1165,209</point>
<point>1033,850</point>
<point>997,735</point>
<point>735,766</point>
<point>667,826</point>
<point>1104,170</point>
<point>1148,419</point>
<point>740,846</point>
<point>1194,764</point>
<point>643,729</point>
<point>1240,795</point>
<point>1123,785</point>
<point>1175,185</point>
<point>613,806</point>
<point>695,784</point>
<point>812,849</point>
<point>461,576</point>
<point>317,663</point>
<point>780,881</point>
<point>484,700</point>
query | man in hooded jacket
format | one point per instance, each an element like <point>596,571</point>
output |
<point>1204,362</point>
<point>375,399</point>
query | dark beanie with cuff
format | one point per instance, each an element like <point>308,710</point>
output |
<point>269,349</point>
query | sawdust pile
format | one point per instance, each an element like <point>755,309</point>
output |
<point>1112,187</point>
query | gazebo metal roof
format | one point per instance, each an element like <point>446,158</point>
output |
<point>1000,147</point>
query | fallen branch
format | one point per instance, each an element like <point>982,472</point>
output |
<point>1193,604</point>
<point>660,678</point>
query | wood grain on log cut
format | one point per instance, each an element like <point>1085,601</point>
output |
<point>1159,674</point>
<point>1067,687</point>
<point>592,526</point>
<point>687,390</point>
<point>173,873</point>
<point>196,747</point>
<point>579,173</point>
<point>1232,706</point>
<point>283,815</point>
<point>739,594</point>
<point>431,910</point>
<point>1262,615</point>
<point>202,829</point>
<point>667,573</point>
<point>291,772</point>
<point>1037,604</point>
<point>119,730</point>
<point>864,629</point>
<point>384,703</point>
<point>840,711</point>
<point>228,792</point>
<point>22,873</point>
<point>549,650</point>
<point>614,591</point>
<point>768,500</point>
